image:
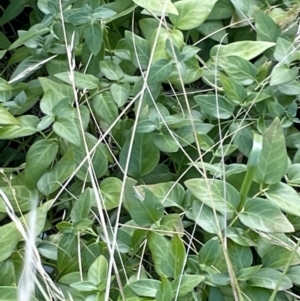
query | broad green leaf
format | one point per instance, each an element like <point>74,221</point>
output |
<point>10,235</point>
<point>158,245</point>
<point>144,212</point>
<point>97,272</point>
<point>99,158</point>
<point>246,273</point>
<point>77,16</point>
<point>214,106</point>
<point>191,14</point>
<point>172,222</point>
<point>159,71</point>
<point>214,30</point>
<point>173,264</point>
<point>66,128</point>
<point>120,93</point>
<point>284,52</point>
<point>105,107</point>
<point>171,194</point>
<point>145,126</point>
<point>103,13</point>
<point>27,127</point>
<point>234,91</point>
<point>279,256</point>
<point>4,85</point>
<point>205,218</point>
<point>93,36</point>
<point>7,118</point>
<point>84,286</point>
<point>268,278</point>
<point>139,49</point>
<point>266,28</point>
<point>145,287</point>
<point>215,193</point>
<point>273,160</point>
<point>110,190</point>
<point>111,70</point>
<point>165,142</point>
<point>11,293</point>
<point>53,94</point>
<point>164,292</point>
<point>82,81</point>
<point>247,50</point>
<point>222,10</point>
<point>262,215</point>
<point>82,206</point>
<point>293,274</point>
<point>38,159</point>
<point>238,69</point>
<point>35,31</point>
<point>240,256</point>
<point>186,283</point>
<point>143,157</point>
<point>61,171</point>
<point>282,74</point>
<point>165,6</point>
<point>284,197</point>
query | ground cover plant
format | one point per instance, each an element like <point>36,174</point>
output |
<point>149,150</point>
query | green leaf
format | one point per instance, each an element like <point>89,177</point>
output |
<point>273,160</point>
<point>99,158</point>
<point>214,30</point>
<point>38,159</point>
<point>165,142</point>
<point>247,50</point>
<point>173,263</point>
<point>191,14</point>
<point>33,32</point>
<point>282,74</point>
<point>144,212</point>
<point>93,36</point>
<point>158,245</point>
<point>110,190</point>
<point>97,272</point>
<point>11,293</point>
<point>61,171</point>
<point>186,283</point>
<point>82,81</point>
<point>103,13</point>
<point>105,107</point>
<point>159,71</point>
<point>164,292</point>
<point>205,218</point>
<point>139,49</point>
<point>246,273</point>
<point>268,278</point>
<point>262,215</point>
<point>238,69</point>
<point>157,6</point>
<point>111,70</point>
<point>214,106</point>
<point>215,194</point>
<point>120,93</point>
<point>145,287</point>
<point>284,197</point>
<point>82,206</point>
<point>7,118</point>
<point>66,128</point>
<point>144,155</point>
<point>233,90</point>
<point>285,52</point>
<point>240,256</point>
<point>77,16</point>
<point>266,28</point>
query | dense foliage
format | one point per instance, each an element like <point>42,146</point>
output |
<point>149,150</point>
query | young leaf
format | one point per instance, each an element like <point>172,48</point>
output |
<point>7,118</point>
<point>159,71</point>
<point>97,272</point>
<point>145,287</point>
<point>111,70</point>
<point>191,14</point>
<point>82,206</point>
<point>120,93</point>
<point>186,283</point>
<point>273,160</point>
